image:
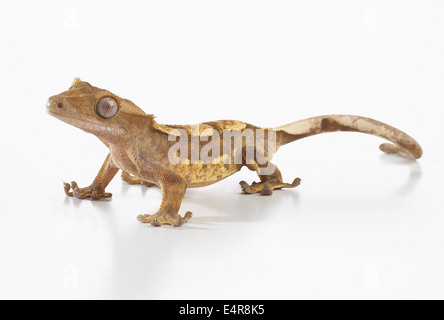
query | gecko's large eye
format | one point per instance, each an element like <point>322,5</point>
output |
<point>107,107</point>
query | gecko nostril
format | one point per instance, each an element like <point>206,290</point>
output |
<point>60,105</point>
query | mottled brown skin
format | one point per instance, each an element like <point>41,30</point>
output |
<point>139,146</point>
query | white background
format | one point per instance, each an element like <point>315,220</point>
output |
<point>361,225</point>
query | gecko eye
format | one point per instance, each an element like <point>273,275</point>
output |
<point>107,107</point>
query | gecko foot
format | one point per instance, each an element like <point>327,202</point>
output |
<point>163,217</point>
<point>92,191</point>
<point>266,188</point>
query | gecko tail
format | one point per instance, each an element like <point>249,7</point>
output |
<point>402,144</point>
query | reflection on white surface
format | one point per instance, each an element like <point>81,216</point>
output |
<point>415,172</point>
<point>297,243</point>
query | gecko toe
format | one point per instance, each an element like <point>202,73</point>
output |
<point>144,218</point>
<point>245,187</point>
<point>179,222</point>
<point>188,216</point>
<point>76,190</point>
<point>296,182</point>
<point>67,188</point>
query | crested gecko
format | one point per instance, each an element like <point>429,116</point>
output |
<point>149,153</point>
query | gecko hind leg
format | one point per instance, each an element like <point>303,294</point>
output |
<point>133,180</point>
<point>268,182</point>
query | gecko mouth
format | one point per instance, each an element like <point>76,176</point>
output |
<point>85,125</point>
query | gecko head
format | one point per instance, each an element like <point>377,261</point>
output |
<point>96,111</point>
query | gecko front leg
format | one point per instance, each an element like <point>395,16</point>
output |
<point>173,190</point>
<point>97,189</point>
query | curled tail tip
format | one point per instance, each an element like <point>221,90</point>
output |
<point>391,148</point>
<point>403,145</point>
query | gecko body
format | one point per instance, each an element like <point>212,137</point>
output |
<point>177,157</point>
